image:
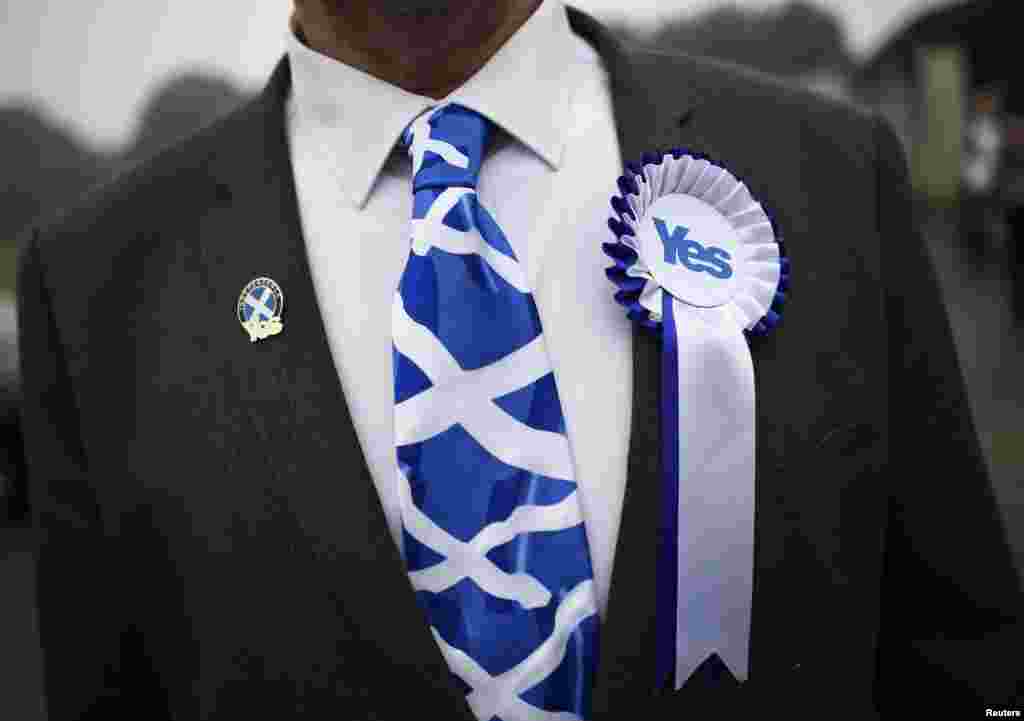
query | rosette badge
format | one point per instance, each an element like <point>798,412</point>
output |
<point>698,259</point>
<point>688,226</point>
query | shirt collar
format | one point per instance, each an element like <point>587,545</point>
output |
<point>359,117</point>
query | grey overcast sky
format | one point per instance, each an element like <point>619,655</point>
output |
<point>91,64</point>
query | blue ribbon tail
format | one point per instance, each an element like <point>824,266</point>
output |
<point>668,536</point>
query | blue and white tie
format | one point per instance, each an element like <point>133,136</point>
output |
<point>493,537</point>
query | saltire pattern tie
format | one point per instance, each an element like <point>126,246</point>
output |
<point>493,536</point>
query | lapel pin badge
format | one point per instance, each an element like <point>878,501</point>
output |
<point>259,308</point>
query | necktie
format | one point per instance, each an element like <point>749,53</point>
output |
<point>493,537</point>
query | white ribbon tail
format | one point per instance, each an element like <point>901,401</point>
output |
<point>716,491</point>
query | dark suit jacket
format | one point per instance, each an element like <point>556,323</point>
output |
<point>211,543</point>
<point>13,494</point>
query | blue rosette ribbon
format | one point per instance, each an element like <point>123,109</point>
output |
<point>698,260</point>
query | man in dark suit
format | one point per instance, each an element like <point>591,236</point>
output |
<point>214,529</point>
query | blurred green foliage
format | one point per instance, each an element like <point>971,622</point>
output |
<point>936,156</point>
<point>8,255</point>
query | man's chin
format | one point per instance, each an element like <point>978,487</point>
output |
<point>418,9</point>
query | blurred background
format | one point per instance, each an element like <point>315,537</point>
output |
<point>90,88</point>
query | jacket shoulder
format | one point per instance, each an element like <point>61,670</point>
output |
<point>104,253</point>
<point>121,209</point>
<point>751,93</point>
<point>715,78</point>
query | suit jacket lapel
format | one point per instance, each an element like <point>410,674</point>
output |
<point>645,121</point>
<point>291,388</point>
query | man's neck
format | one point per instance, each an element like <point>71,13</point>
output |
<point>428,54</point>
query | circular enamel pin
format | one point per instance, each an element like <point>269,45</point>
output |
<point>259,308</point>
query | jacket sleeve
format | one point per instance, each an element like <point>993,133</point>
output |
<point>951,603</point>
<point>93,665</point>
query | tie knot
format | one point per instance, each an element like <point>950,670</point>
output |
<point>447,146</point>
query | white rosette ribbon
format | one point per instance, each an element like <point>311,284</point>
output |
<point>698,259</point>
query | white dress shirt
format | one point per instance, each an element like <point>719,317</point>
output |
<point>547,179</point>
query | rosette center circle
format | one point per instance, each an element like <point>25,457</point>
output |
<point>691,249</point>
